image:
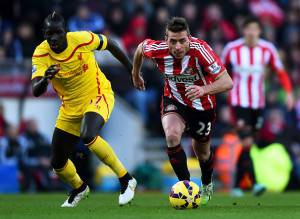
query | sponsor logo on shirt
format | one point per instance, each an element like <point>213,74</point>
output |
<point>249,69</point>
<point>183,78</point>
<point>75,72</point>
<point>186,76</point>
<point>214,68</point>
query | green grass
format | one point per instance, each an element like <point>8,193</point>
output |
<point>150,205</point>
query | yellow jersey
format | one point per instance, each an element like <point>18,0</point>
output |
<point>80,78</point>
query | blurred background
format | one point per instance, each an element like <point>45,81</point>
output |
<point>134,129</point>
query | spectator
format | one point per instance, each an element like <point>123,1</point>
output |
<point>189,12</point>
<point>136,32</point>
<point>35,166</point>
<point>268,11</point>
<point>11,147</point>
<point>86,20</point>
<point>133,6</point>
<point>2,56</point>
<point>295,64</point>
<point>12,45</point>
<point>26,35</point>
<point>117,21</point>
<point>213,18</point>
<point>3,122</point>
<point>173,7</point>
<point>158,22</point>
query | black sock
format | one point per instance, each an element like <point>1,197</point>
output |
<point>124,179</point>
<point>244,166</point>
<point>178,161</point>
<point>207,169</point>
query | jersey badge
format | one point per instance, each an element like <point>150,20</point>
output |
<point>214,68</point>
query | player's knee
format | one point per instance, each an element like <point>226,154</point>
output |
<point>57,163</point>
<point>87,137</point>
<point>173,139</point>
<point>203,155</point>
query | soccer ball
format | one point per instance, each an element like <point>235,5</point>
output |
<point>185,194</point>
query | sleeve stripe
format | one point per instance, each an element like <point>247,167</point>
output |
<point>151,49</point>
<point>103,42</point>
<point>74,50</point>
<point>204,53</point>
<point>39,56</point>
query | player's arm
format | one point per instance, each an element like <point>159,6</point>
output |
<point>137,78</point>
<point>213,66</point>
<point>116,51</point>
<point>39,84</point>
<point>222,83</point>
<point>225,58</point>
<point>283,77</point>
<point>286,84</point>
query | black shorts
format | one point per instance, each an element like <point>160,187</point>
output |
<point>198,124</point>
<point>251,117</point>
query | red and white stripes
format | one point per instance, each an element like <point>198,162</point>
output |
<point>248,71</point>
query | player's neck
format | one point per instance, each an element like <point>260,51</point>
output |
<point>62,48</point>
<point>251,42</point>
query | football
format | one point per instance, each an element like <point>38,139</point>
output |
<point>185,194</point>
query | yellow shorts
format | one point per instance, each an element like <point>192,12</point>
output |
<point>70,117</point>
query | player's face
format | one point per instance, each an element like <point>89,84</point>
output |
<point>178,43</point>
<point>252,32</point>
<point>55,34</point>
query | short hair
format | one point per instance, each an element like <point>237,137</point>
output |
<point>54,17</point>
<point>177,24</point>
<point>251,19</point>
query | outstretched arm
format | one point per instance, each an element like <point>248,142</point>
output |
<point>39,84</point>
<point>137,79</point>
<point>222,83</point>
<point>115,50</point>
<point>287,86</point>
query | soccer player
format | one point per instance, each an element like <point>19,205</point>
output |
<point>66,60</point>
<point>193,74</point>
<point>248,58</point>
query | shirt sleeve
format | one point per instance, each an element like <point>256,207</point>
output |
<point>275,61</point>
<point>225,56</point>
<point>102,42</point>
<point>209,60</point>
<point>39,63</point>
<point>93,41</point>
<point>149,48</point>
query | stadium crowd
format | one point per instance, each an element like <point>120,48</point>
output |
<point>129,23</point>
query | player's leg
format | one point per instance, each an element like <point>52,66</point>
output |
<point>257,118</point>
<point>200,126</point>
<point>205,156</point>
<point>252,121</point>
<point>174,127</point>
<point>90,127</point>
<point>243,128</point>
<point>63,143</point>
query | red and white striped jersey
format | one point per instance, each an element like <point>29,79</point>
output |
<point>200,66</point>
<point>248,67</point>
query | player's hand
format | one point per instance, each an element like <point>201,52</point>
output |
<point>289,100</point>
<point>138,82</point>
<point>51,71</point>
<point>193,92</point>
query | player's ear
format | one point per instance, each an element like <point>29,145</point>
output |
<point>166,35</point>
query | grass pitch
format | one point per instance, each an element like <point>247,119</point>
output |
<point>150,205</point>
